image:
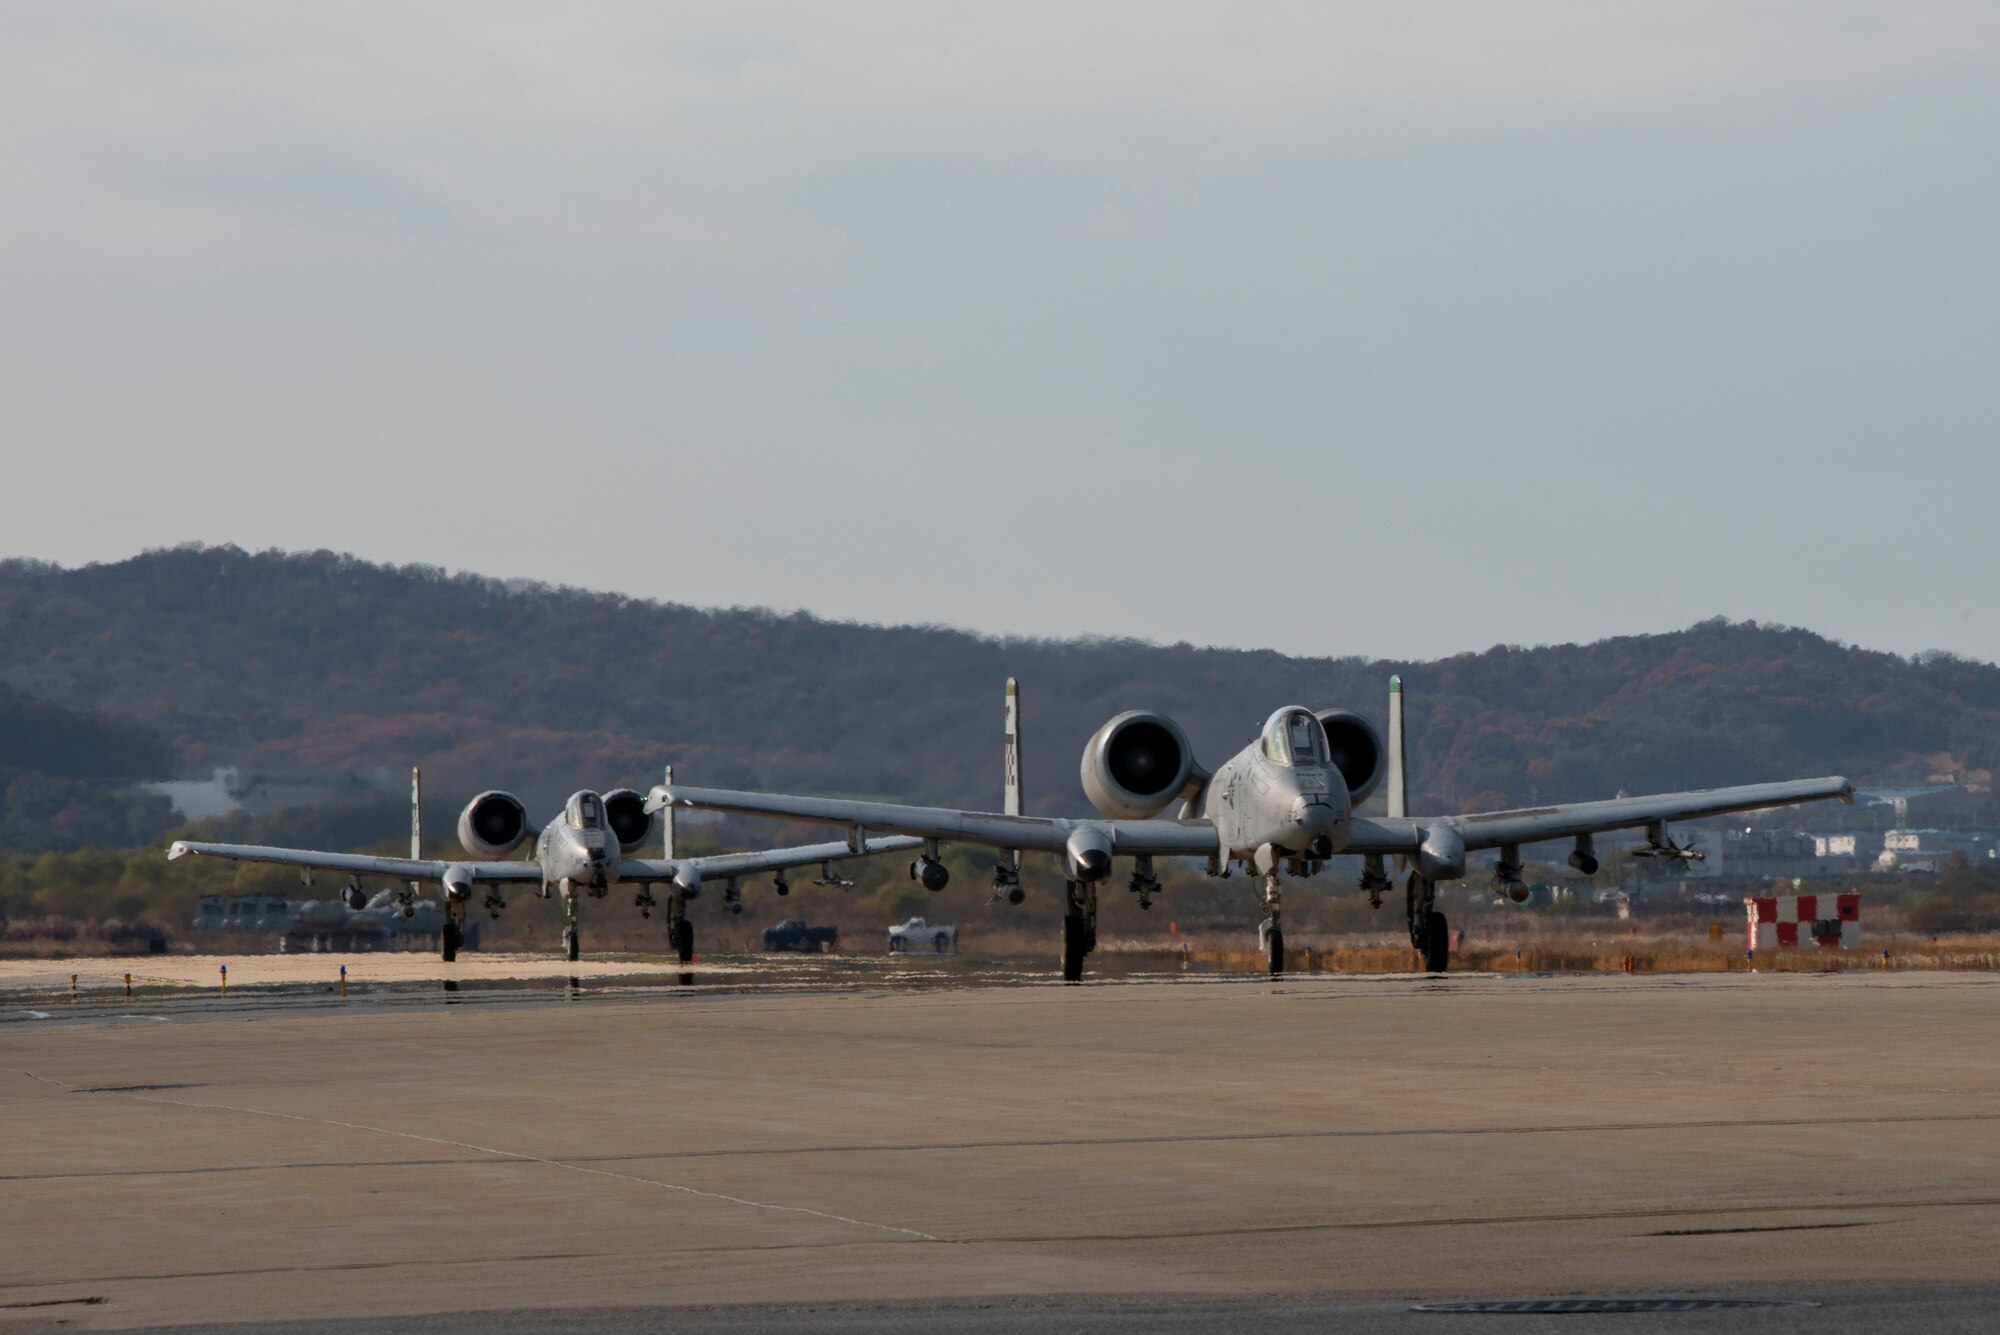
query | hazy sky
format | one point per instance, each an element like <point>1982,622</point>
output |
<point>1390,328</point>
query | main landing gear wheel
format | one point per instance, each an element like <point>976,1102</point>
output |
<point>1277,951</point>
<point>570,942</point>
<point>1437,943</point>
<point>1076,944</point>
<point>684,940</point>
<point>449,941</point>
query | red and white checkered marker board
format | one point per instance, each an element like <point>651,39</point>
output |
<point>1783,921</point>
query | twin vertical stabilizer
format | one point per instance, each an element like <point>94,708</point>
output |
<point>416,822</point>
<point>1010,794</point>
<point>667,816</point>
<point>1399,782</point>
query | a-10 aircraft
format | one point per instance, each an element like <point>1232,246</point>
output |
<point>1283,804</point>
<point>585,851</point>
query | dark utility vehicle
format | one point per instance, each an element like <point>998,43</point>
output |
<point>793,934</point>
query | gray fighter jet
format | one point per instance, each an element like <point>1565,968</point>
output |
<point>1284,804</point>
<point>585,851</point>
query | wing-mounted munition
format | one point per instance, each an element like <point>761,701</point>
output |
<point>1507,882</point>
<point>1659,845</point>
<point>929,870</point>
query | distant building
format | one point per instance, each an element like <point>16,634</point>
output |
<point>1929,850</point>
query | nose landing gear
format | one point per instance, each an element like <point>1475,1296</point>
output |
<point>1274,924</point>
<point>680,932</point>
<point>452,935</point>
<point>1079,929</point>
<point>1429,932</point>
<point>570,942</point>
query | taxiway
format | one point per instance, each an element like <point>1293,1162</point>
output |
<point>1322,1140</point>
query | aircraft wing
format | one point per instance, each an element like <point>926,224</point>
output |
<point>749,864</point>
<point>1130,838</point>
<point>1529,825</point>
<point>358,864</point>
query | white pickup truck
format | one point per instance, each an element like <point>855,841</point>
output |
<point>916,934</point>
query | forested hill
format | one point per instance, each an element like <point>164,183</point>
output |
<point>324,660</point>
<point>65,743</point>
<point>65,777</point>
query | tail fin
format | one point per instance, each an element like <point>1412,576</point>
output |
<point>667,817</point>
<point>416,820</point>
<point>1010,796</point>
<point>1399,783</point>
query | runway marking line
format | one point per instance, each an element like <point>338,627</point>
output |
<point>954,1146</point>
<point>1341,1133</point>
<point>1476,1221</point>
<point>433,1262</point>
<point>511,1155</point>
<point>1753,1228</point>
<point>92,1301</point>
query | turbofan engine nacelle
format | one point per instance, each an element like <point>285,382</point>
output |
<point>625,812</point>
<point>1356,751</point>
<point>493,825</point>
<point>1136,764</point>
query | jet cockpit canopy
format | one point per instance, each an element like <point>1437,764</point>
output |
<point>1294,737</point>
<point>585,811</point>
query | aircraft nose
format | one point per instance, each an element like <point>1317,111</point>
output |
<point>1316,817</point>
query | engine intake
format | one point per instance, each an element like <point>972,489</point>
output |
<point>625,812</point>
<point>1136,764</point>
<point>1356,750</point>
<point>493,824</point>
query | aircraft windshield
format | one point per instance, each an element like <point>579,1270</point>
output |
<point>586,812</point>
<point>1294,737</point>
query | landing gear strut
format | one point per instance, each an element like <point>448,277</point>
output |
<point>452,935</point>
<point>1274,925</point>
<point>680,932</point>
<point>1429,932</point>
<point>570,942</point>
<point>1079,929</point>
